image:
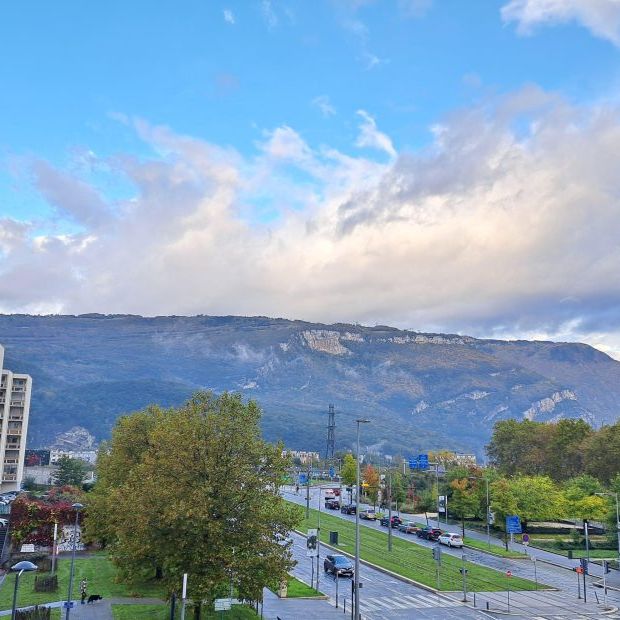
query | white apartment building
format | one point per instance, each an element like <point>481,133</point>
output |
<point>15,390</point>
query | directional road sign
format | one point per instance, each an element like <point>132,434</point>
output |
<point>513,524</point>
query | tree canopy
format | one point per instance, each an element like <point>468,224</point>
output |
<point>194,490</point>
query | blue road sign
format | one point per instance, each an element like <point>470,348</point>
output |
<point>303,479</point>
<point>423,461</point>
<point>513,524</point>
<point>413,462</point>
<point>332,472</point>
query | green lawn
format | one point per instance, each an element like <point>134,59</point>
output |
<point>413,561</point>
<point>99,572</point>
<point>298,589</point>
<point>162,612</point>
<point>493,549</point>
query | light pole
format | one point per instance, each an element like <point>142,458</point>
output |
<point>19,568</point>
<point>77,507</point>
<point>617,519</point>
<point>487,496</point>
<point>356,575</point>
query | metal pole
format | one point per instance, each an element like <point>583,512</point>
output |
<point>535,574</point>
<point>437,483</point>
<point>54,549</point>
<point>464,581</point>
<point>390,510</point>
<point>585,596</point>
<point>586,532</point>
<point>488,521</point>
<point>308,495</point>
<point>184,595</point>
<point>70,591</point>
<point>618,527</point>
<point>318,543</point>
<point>14,608</point>
<point>578,587</point>
<point>336,589</point>
<point>356,576</point>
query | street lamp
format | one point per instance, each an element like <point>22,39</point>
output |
<point>617,519</point>
<point>77,507</point>
<point>356,575</point>
<point>488,523</point>
<point>19,568</point>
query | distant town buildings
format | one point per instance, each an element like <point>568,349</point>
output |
<point>89,456</point>
<point>15,391</point>
<point>305,458</point>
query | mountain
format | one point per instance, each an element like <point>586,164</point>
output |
<point>421,391</point>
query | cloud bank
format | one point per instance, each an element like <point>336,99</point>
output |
<point>506,225</point>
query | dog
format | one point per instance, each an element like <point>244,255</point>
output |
<point>94,597</point>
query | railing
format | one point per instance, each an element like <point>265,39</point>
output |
<point>16,418</point>
<point>9,477</point>
<point>17,432</point>
<point>12,446</point>
<point>17,403</point>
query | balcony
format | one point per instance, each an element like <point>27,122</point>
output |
<point>9,477</point>
<point>11,461</point>
<point>16,432</point>
<point>12,446</point>
<point>14,417</point>
<point>17,403</point>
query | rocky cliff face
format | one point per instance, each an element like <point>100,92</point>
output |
<point>422,391</point>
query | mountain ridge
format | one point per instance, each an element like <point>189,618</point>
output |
<point>424,390</point>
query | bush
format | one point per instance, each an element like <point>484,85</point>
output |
<point>34,613</point>
<point>46,583</point>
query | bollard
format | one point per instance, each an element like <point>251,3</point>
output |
<point>474,599</point>
<point>487,605</point>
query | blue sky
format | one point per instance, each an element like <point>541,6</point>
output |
<point>308,110</point>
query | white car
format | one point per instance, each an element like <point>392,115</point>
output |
<point>451,540</point>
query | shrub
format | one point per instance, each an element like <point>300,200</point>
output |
<point>34,613</point>
<point>46,583</point>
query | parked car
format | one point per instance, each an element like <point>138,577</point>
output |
<point>452,540</point>
<point>429,533</point>
<point>338,565</point>
<point>369,515</point>
<point>408,527</point>
<point>4,522</point>
<point>396,521</point>
<point>332,504</point>
<point>348,509</point>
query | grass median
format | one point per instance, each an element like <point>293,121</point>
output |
<point>162,612</point>
<point>480,545</point>
<point>414,561</point>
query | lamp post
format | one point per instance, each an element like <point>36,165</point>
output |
<point>617,519</point>
<point>77,507</point>
<point>487,496</point>
<point>19,568</point>
<point>356,575</point>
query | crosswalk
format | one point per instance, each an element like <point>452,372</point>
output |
<point>404,601</point>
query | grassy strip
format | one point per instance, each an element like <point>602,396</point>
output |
<point>493,549</point>
<point>162,612</point>
<point>299,589</point>
<point>579,553</point>
<point>97,570</point>
<point>414,561</point>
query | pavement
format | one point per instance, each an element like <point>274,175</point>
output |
<point>562,604</point>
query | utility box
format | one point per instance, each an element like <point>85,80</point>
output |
<point>333,538</point>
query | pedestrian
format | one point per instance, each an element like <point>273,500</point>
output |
<point>297,489</point>
<point>83,590</point>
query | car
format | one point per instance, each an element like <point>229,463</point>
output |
<point>451,540</point>
<point>429,533</point>
<point>338,565</point>
<point>369,515</point>
<point>396,521</point>
<point>332,504</point>
<point>348,509</point>
<point>408,527</point>
<point>4,522</point>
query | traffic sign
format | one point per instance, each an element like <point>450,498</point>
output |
<point>222,604</point>
<point>579,570</point>
<point>584,564</point>
<point>437,554</point>
<point>332,472</point>
<point>423,461</point>
<point>513,524</point>
<point>526,539</point>
<point>508,573</point>
<point>303,479</point>
<point>413,462</point>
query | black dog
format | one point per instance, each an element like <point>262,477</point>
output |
<point>94,597</point>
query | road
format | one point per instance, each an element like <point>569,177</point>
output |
<point>563,603</point>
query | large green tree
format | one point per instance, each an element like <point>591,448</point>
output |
<point>195,490</point>
<point>602,453</point>
<point>348,473</point>
<point>70,472</point>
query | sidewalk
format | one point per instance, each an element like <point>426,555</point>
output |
<point>295,608</point>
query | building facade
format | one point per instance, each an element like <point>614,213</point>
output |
<point>15,391</point>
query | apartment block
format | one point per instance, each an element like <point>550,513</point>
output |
<point>15,390</point>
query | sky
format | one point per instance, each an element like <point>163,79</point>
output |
<point>435,165</point>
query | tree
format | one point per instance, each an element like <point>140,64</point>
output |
<point>195,490</point>
<point>371,482</point>
<point>348,473</point>
<point>70,472</point>
<point>602,453</point>
<point>581,501</point>
<point>464,500</point>
<point>566,448</point>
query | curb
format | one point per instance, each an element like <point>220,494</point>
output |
<point>598,614</point>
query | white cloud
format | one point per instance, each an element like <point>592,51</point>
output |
<point>325,106</point>
<point>229,16</point>
<point>269,15</point>
<point>371,137</point>
<point>507,225</point>
<point>601,17</point>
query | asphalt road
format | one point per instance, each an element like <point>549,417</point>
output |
<point>562,603</point>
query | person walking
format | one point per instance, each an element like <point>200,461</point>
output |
<point>83,590</point>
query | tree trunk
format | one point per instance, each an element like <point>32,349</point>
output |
<point>158,572</point>
<point>197,610</point>
<point>463,525</point>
